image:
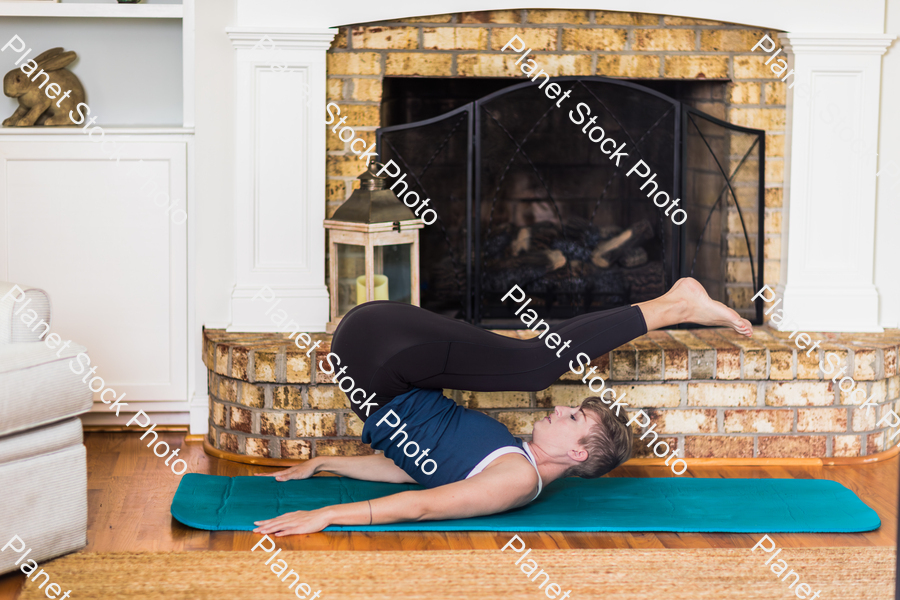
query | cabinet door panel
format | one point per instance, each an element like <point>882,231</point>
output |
<point>96,235</point>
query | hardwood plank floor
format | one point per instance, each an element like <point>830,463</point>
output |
<point>130,491</point>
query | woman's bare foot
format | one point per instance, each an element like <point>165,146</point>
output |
<point>699,308</point>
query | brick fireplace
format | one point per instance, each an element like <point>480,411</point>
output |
<point>710,394</point>
<point>633,46</point>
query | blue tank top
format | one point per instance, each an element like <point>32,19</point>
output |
<point>456,439</point>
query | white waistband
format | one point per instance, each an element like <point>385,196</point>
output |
<point>508,450</point>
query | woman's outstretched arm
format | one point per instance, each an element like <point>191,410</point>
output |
<point>374,467</point>
<point>496,489</point>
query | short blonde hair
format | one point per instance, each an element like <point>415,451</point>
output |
<point>608,443</point>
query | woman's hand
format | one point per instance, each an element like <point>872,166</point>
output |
<point>301,471</point>
<point>292,523</point>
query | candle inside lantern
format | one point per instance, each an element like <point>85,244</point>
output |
<point>381,288</point>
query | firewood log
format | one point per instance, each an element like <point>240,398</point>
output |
<point>633,257</point>
<point>607,252</point>
<point>522,243</point>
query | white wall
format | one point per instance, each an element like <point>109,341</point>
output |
<point>214,162</point>
<point>213,184</point>
<point>887,237</point>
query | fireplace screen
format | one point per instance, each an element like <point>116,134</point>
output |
<point>524,197</point>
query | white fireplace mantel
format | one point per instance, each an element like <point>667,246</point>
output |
<point>279,177</point>
<point>827,271</point>
<point>828,261</point>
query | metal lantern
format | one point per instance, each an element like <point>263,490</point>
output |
<point>373,248</point>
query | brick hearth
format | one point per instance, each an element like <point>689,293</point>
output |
<point>709,391</point>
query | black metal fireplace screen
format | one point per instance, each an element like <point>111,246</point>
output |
<point>525,198</point>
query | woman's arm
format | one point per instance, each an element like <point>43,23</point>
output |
<point>494,490</point>
<point>374,467</point>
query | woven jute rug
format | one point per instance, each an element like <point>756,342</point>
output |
<point>838,573</point>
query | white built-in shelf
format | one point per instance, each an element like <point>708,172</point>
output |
<point>119,11</point>
<point>112,129</point>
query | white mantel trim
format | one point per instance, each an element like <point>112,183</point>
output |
<point>279,192</point>
<point>831,43</point>
<point>828,252</point>
<point>284,37</point>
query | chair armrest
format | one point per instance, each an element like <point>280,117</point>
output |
<point>33,319</point>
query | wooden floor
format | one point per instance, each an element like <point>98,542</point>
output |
<point>130,491</point>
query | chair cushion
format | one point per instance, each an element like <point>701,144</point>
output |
<point>45,494</point>
<point>38,387</point>
<point>42,440</point>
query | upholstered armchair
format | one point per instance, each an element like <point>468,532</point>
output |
<point>43,466</point>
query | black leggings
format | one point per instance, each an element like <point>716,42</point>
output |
<point>391,347</point>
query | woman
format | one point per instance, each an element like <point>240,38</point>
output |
<point>403,356</point>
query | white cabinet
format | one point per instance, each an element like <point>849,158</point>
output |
<point>111,241</point>
<point>108,240</point>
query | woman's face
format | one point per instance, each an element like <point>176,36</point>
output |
<point>560,431</point>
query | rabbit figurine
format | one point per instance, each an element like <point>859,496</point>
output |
<point>36,104</point>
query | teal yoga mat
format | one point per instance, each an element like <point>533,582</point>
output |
<point>607,504</point>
